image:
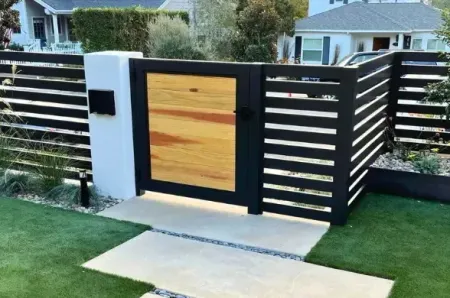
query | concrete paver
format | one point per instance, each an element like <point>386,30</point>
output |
<point>205,270</point>
<point>221,222</point>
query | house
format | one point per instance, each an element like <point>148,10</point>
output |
<point>50,20</point>
<point>328,36</point>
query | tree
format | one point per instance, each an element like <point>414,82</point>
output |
<point>258,26</point>
<point>170,38</point>
<point>441,4</point>
<point>300,8</point>
<point>215,23</point>
<point>9,18</point>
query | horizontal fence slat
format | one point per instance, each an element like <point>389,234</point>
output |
<point>301,120</point>
<point>296,211</point>
<point>375,63</point>
<point>321,105</point>
<point>368,137</point>
<point>42,57</point>
<point>374,105</point>
<point>415,134</point>
<point>423,56</point>
<point>363,128</point>
<point>33,143</point>
<point>425,69</point>
<point>316,88</point>
<point>423,122</point>
<point>45,71</point>
<point>46,84</point>
<point>286,150</point>
<point>301,183</point>
<point>414,146</point>
<point>373,79</point>
<point>411,95</point>
<point>34,133</point>
<point>46,110</point>
<point>417,82</point>
<point>296,197</point>
<point>370,148</point>
<point>299,71</point>
<point>69,174</point>
<point>51,123</point>
<point>300,167</point>
<point>300,136</point>
<point>421,109</point>
<point>370,95</point>
<point>47,97</point>
<point>71,161</point>
<point>366,165</point>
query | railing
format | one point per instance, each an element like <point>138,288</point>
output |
<point>57,48</point>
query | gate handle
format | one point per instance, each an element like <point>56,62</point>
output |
<point>245,113</point>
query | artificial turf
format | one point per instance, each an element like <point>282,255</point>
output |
<point>397,238</point>
<point>42,249</point>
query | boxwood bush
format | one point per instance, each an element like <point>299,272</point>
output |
<point>122,29</point>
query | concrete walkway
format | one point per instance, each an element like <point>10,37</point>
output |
<point>201,269</point>
<point>204,270</point>
<point>221,222</point>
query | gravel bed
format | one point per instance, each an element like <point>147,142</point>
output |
<point>168,294</point>
<point>254,249</point>
<point>99,205</point>
<point>392,161</point>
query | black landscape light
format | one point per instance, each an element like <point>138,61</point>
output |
<point>84,191</point>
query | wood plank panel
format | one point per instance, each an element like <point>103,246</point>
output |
<point>193,91</point>
<point>192,130</point>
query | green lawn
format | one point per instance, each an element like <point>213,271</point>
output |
<point>396,238</point>
<point>42,248</point>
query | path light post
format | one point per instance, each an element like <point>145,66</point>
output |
<point>84,191</point>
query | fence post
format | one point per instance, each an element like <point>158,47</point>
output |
<point>344,144</point>
<point>112,136</point>
<point>256,138</point>
<point>394,87</point>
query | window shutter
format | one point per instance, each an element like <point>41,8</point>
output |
<point>326,51</point>
<point>298,46</point>
<point>345,1</point>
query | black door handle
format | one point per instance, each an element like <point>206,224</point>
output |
<point>245,113</point>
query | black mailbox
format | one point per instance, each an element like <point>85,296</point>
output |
<point>102,102</point>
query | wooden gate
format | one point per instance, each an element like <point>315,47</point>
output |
<point>195,124</point>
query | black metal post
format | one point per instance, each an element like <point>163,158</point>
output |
<point>84,190</point>
<point>394,87</point>
<point>256,142</point>
<point>344,144</point>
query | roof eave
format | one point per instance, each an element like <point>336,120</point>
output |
<point>357,31</point>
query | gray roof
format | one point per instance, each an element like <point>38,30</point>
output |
<point>71,4</point>
<point>359,16</point>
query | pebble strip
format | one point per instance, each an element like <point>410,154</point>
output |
<point>168,294</point>
<point>259,250</point>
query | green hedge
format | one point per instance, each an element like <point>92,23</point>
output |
<point>124,29</point>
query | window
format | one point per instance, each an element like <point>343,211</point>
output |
<point>417,44</point>
<point>435,45</point>
<point>59,25</point>
<point>39,28</point>
<point>17,30</point>
<point>312,50</point>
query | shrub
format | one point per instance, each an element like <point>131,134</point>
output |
<point>427,163</point>
<point>70,193</point>
<point>170,38</point>
<point>13,183</point>
<point>124,29</point>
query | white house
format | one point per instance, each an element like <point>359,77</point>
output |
<point>50,20</point>
<point>345,26</point>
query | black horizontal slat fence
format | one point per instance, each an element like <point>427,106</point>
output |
<point>420,124</point>
<point>45,102</point>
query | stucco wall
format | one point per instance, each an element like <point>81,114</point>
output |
<point>367,39</point>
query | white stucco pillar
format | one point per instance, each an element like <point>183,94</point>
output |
<point>401,41</point>
<point>55,27</point>
<point>112,136</point>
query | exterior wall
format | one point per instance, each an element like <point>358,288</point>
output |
<point>342,39</point>
<point>23,36</point>
<point>367,39</point>
<point>425,36</point>
<point>35,10</point>
<point>318,6</point>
